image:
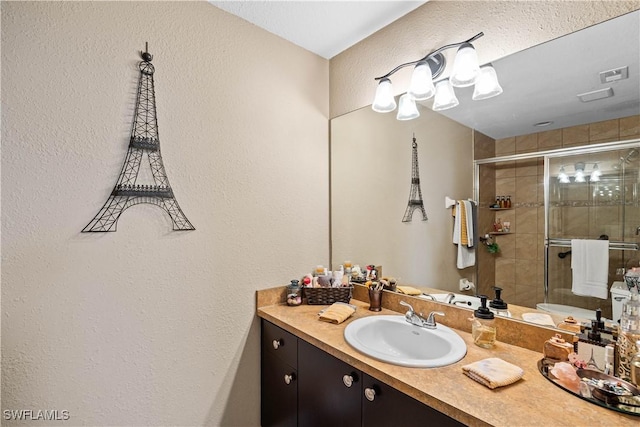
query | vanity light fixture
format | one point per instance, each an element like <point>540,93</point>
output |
<point>562,176</point>
<point>407,109</point>
<point>579,175</point>
<point>466,72</point>
<point>595,173</point>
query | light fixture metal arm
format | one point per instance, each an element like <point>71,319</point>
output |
<point>431,54</point>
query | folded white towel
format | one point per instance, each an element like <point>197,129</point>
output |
<point>466,255</point>
<point>590,267</point>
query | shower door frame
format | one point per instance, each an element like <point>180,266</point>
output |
<point>547,155</point>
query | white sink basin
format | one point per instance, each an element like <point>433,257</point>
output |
<point>392,339</point>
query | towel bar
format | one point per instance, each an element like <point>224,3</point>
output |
<point>621,246</point>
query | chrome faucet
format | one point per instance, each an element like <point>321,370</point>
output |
<point>416,319</point>
<point>430,296</point>
<point>449,298</point>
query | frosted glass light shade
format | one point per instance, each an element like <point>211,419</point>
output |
<point>563,177</point>
<point>384,101</point>
<point>421,86</point>
<point>445,96</point>
<point>408,109</point>
<point>595,173</point>
<point>487,85</point>
<point>465,66</point>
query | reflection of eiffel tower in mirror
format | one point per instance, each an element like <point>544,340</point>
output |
<point>144,140</point>
<point>415,196</point>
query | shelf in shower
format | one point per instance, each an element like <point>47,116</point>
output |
<point>498,233</point>
<point>500,209</point>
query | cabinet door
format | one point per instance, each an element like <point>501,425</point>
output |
<point>329,390</point>
<point>278,393</point>
<point>280,343</point>
<point>385,406</point>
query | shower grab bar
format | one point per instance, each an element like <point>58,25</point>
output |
<point>621,246</point>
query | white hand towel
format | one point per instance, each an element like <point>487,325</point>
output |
<point>590,267</point>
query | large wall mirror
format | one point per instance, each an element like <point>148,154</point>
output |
<point>371,158</point>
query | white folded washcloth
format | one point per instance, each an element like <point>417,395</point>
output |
<point>493,372</point>
<point>590,267</point>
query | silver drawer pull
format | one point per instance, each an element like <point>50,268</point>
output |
<point>370,394</point>
<point>288,378</point>
<point>277,344</point>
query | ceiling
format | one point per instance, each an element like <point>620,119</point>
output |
<point>540,84</point>
<point>325,28</point>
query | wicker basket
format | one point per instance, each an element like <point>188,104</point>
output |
<point>327,296</point>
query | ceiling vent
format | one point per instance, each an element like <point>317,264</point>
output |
<point>595,95</point>
<point>614,75</point>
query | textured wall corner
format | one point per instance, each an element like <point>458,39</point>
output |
<point>509,27</point>
<point>148,326</point>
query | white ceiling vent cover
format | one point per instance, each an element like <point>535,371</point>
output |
<point>596,94</point>
<point>614,75</point>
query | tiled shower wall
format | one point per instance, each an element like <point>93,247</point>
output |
<point>519,266</point>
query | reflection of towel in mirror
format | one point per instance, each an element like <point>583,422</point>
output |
<point>590,267</point>
<point>466,254</point>
<point>493,372</point>
<point>408,290</point>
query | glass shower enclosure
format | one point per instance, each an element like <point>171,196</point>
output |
<point>591,193</point>
<point>586,192</point>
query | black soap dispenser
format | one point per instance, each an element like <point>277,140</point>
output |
<point>483,329</point>
<point>497,302</point>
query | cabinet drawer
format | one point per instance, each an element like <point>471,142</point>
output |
<point>279,343</point>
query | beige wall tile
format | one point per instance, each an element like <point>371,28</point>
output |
<point>526,189</point>
<point>505,169</point>
<point>576,191</point>
<point>575,135</point>
<point>528,167</point>
<point>527,143</point>
<point>484,147</point>
<point>507,243</point>
<point>606,220</point>
<point>526,246</point>
<point>526,220</point>
<point>630,127</point>
<point>505,146</point>
<point>550,139</point>
<point>575,221</point>
<point>505,272</point>
<point>606,130</point>
<point>505,187</point>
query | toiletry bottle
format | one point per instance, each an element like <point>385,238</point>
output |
<point>609,359</point>
<point>628,336</point>
<point>508,203</point>
<point>294,293</point>
<point>635,366</point>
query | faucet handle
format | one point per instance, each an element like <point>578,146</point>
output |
<point>431,321</point>
<point>406,304</point>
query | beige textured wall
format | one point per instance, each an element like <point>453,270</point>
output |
<point>509,26</point>
<point>370,183</point>
<point>146,326</point>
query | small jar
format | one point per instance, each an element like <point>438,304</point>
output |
<point>294,293</point>
<point>483,328</point>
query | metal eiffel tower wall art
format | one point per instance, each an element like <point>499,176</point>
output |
<point>144,141</point>
<point>415,195</point>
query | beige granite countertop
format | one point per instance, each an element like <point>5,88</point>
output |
<point>532,401</point>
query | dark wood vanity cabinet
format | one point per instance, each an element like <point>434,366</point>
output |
<point>329,391</point>
<point>326,391</point>
<point>279,377</point>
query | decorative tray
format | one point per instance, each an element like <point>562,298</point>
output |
<point>599,389</point>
